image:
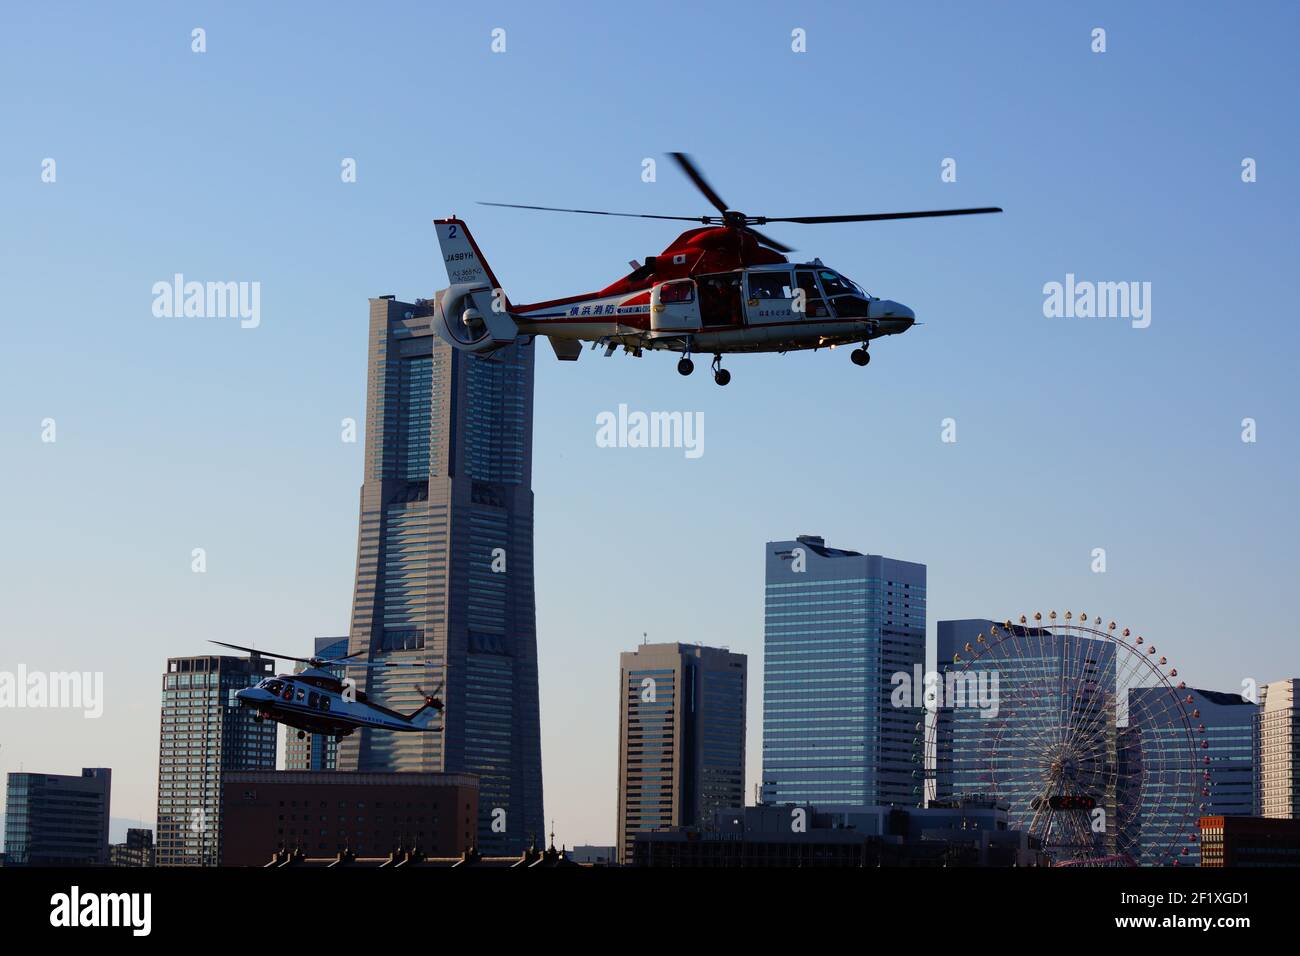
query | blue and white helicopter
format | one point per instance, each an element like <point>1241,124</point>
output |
<point>318,701</point>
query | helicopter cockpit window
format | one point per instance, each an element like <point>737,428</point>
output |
<point>847,297</point>
<point>770,285</point>
<point>834,283</point>
<point>272,685</point>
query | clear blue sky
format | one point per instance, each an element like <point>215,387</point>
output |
<point>1072,434</point>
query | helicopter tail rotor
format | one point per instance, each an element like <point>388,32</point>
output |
<point>432,703</point>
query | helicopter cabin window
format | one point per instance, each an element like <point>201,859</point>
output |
<point>324,702</point>
<point>770,285</point>
<point>814,306</point>
<point>301,693</point>
<point>671,292</point>
<point>313,700</point>
<point>720,302</point>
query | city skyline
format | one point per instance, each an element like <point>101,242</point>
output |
<point>178,434</point>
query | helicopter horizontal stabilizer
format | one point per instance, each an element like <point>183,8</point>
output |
<point>566,350</point>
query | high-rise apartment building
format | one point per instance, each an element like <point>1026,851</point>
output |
<point>681,742</point>
<point>838,626</point>
<point>137,851</point>
<point>1279,750</point>
<point>205,733</point>
<point>445,567</point>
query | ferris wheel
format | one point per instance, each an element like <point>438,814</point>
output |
<point>1091,741</point>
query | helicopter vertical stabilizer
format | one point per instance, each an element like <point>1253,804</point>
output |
<point>473,313</point>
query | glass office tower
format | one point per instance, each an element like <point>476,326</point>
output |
<point>445,567</point>
<point>1050,689</point>
<point>837,626</point>
<point>57,819</point>
<point>1230,727</point>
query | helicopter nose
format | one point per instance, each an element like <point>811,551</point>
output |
<point>889,309</point>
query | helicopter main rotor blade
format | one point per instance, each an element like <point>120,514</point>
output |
<point>877,216</point>
<point>694,175</point>
<point>254,650</point>
<point>597,212</point>
<point>767,240</point>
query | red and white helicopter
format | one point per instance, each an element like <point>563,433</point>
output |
<point>318,701</point>
<point>722,288</point>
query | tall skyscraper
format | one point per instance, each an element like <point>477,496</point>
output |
<point>316,751</point>
<point>445,567</point>
<point>1279,750</point>
<point>57,819</point>
<point>838,626</point>
<point>1230,729</point>
<point>681,741</point>
<point>204,733</point>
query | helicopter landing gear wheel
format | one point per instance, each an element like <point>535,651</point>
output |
<point>860,356</point>
<point>685,367</point>
<point>720,374</point>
